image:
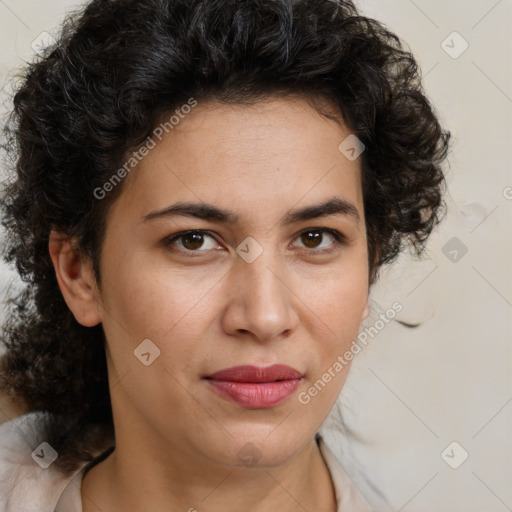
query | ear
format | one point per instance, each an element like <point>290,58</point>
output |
<point>76,279</point>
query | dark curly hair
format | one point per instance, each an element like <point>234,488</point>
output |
<point>95,96</point>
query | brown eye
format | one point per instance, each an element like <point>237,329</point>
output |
<point>312,239</point>
<point>321,240</point>
<point>191,241</point>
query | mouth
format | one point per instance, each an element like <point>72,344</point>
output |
<point>255,387</point>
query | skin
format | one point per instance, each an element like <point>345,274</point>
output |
<point>208,309</point>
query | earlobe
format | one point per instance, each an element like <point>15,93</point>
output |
<point>76,279</point>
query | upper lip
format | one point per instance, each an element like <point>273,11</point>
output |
<point>248,373</point>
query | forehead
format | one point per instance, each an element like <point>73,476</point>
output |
<point>271,153</point>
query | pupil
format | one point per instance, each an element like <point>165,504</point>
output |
<point>196,241</point>
<point>312,238</point>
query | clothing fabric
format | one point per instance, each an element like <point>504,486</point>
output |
<point>27,486</point>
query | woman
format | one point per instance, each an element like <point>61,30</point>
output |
<point>204,192</point>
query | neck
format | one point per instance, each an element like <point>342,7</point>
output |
<point>136,476</point>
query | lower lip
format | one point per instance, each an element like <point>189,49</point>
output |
<point>256,395</point>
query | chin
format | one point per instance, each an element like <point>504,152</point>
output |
<point>260,451</point>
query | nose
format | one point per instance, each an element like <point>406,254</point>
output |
<point>260,301</point>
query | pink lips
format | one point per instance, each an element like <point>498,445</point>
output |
<point>256,388</point>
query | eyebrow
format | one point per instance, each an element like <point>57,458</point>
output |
<point>333,206</point>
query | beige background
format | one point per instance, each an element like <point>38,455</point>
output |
<point>412,392</point>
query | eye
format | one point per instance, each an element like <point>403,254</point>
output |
<point>192,241</point>
<point>314,239</point>
<point>320,240</point>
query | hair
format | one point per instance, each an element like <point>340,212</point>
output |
<point>95,95</point>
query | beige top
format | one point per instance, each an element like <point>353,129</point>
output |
<point>26,486</point>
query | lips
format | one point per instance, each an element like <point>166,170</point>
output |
<point>255,387</point>
<point>255,374</point>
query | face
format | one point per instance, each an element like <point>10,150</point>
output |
<point>219,254</point>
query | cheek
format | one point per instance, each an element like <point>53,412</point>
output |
<point>170,308</point>
<point>337,309</point>
<point>152,299</point>
<point>160,308</point>
<point>339,299</point>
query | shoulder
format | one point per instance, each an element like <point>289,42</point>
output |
<point>28,482</point>
<point>348,496</point>
<point>349,476</point>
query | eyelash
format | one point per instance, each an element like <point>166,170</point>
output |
<point>340,239</point>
